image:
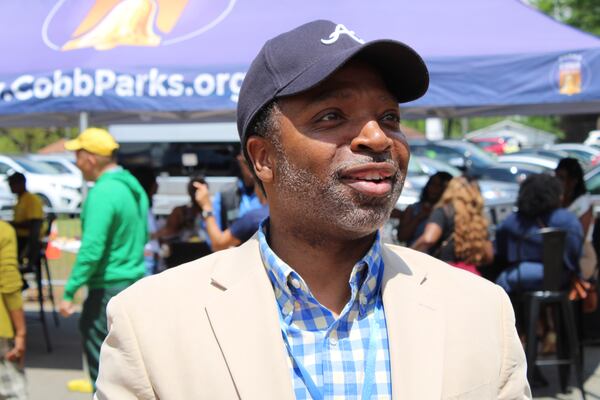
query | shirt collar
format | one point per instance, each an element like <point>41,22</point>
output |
<point>289,286</point>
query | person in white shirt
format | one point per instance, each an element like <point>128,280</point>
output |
<point>577,200</point>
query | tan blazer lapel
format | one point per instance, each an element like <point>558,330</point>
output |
<point>245,321</point>
<point>415,328</point>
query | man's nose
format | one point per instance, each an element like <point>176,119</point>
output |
<point>371,137</point>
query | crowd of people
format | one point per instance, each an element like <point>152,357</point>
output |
<point>121,242</point>
<point>448,223</point>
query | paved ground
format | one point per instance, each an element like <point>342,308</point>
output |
<point>591,377</point>
<point>48,373</point>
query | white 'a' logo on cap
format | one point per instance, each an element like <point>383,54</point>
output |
<point>341,30</point>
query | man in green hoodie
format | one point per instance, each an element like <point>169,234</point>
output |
<point>114,232</point>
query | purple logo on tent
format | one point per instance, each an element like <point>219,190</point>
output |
<point>106,24</point>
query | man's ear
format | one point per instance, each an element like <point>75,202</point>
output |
<point>262,158</point>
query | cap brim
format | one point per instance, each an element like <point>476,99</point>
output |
<point>73,145</point>
<point>403,70</point>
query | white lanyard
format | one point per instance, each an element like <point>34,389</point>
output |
<point>369,377</point>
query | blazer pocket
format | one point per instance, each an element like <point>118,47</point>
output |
<point>482,392</point>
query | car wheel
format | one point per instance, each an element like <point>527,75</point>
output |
<point>45,200</point>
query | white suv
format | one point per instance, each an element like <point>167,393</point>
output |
<point>593,138</point>
<point>59,192</point>
<point>64,164</point>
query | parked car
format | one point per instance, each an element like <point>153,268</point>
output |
<point>546,164</point>
<point>420,168</point>
<point>63,164</point>
<point>544,152</point>
<point>430,166</point>
<point>593,138</point>
<point>497,145</point>
<point>470,158</point>
<point>7,199</point>
<point>57,191</point>
<point>588,154</point>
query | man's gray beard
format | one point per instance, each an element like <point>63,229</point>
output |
<point>331,205</point>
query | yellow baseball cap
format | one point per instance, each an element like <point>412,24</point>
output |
<point>95,140</point>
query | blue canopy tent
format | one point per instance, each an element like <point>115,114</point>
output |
<point>121,61</point>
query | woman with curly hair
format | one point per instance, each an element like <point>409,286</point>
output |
<point>457,230</point>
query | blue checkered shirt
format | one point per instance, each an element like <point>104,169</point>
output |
<point>333,350</point>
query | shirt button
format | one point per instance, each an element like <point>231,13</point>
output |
<point>333,341</point>
<point>363,300</point>
<point>296,283</point>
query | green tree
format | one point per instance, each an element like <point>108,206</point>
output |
<point>29,140</point>
<point>582,14</point>
<point>546,123</point>
<point>550,124</point>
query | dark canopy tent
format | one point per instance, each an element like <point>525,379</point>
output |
<point>184,60</point>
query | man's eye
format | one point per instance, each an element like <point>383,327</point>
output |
<point>391,117</point>
<point>330,116</point>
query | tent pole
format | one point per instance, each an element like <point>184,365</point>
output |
<point>464,124</point>
<point>83,121</point>
<point>449,127</point>
<point>83,125</point>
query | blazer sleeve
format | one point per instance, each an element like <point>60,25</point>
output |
<point>122,373</point>
<point>513,373</point>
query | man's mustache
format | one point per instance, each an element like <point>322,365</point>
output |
<point>360,161</point>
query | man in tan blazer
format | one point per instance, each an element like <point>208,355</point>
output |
<point>314,305</point>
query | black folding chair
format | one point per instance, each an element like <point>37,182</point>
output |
<point>557,297</point>
<point>34,261</point>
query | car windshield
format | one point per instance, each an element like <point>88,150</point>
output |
<point>36,167</point>
<point>478,157</point>
<point>439,166</point>
<point>414,168</point>
<point>58,166</point>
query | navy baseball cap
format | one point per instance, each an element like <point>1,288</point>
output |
<point>300,59</point>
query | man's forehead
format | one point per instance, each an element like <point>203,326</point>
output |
<point>347,82</point>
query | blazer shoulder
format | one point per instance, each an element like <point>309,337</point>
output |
<point>178,283</point>
<point>440,274</point>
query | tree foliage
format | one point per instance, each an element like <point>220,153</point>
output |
<point>454,129</point>
<point>29,140</point>
<point>582,14</point>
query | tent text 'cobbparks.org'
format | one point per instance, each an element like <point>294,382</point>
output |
<point>101,82</point>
